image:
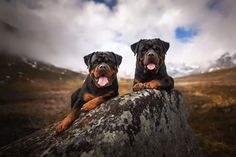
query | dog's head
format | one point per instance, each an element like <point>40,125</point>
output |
<point>150,54</point>
<point>103,67</point>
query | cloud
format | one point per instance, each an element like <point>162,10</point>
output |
<point>62,32</point>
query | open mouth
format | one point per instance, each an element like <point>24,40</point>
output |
<point>102,81</point>
<point>151,66</point>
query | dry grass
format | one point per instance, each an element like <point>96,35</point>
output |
<point>125,86</point>
<point>26,106</point>
<point>211,100</point>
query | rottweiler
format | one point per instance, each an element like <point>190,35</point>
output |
<point>150,69</point>
<point>100,85</point>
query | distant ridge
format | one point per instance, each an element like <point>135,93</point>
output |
<point>24,68</point>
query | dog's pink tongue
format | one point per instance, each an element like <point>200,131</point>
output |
<point>102,81</point>
<point>151,66</point>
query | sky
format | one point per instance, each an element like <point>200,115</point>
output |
<point>61,32</point>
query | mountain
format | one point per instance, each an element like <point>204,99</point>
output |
<point>226,60</point>
<point>16,67</point>
<point>18,71</point>
<point>182,69</point>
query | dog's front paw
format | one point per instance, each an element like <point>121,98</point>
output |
<point>60,127</point>
<point>63,125</point>
<point>88,106</point>
<point>138,86</point>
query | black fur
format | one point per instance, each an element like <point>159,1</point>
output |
<point>141,74</point>
<point>88,86</point>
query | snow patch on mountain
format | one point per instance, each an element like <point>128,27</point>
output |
<point>226,60</point>
<point>182,69</point>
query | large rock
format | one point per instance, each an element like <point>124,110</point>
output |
<point>145,123</point>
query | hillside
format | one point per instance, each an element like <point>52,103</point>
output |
<point>224,75</point>
<point>22,76</point>
<point>18,68</point>
<point>211,100</point>
<point>213,89</point>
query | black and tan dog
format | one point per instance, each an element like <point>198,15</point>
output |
<point>150,69</point>
<point>100,85</point>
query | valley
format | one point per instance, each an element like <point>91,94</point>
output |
<point>34,95</point>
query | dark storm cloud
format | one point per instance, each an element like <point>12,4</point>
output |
<point>43,31</point>
<point>63,31</point>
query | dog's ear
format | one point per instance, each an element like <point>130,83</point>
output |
<point>118,59</point>
<point>87,59</point>
<point>165,45</point>
<point>134,47</point>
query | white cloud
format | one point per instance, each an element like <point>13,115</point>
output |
<point>62,32</point>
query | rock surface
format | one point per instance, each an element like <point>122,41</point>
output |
<point>140,124</point>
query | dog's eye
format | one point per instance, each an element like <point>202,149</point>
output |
<point>144,50</point>
<point>156,49</point>
<point>108,61</point>
<point>96,61</point>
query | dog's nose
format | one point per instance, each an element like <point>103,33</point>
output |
<point>102,67</point>
<point>150,54</point>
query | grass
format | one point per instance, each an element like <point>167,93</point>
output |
<point>215,132</point>
<point>211,100</point>
<point>125,86</point>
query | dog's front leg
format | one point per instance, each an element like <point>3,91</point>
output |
<point>152,84</point>
<point>93,103</point>
<point>73,115</point>
<point>68,120</point>
<point>138,85</point>
<point>97,101</point>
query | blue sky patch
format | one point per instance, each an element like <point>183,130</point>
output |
<point>185,34</point>
<point>109,3</point>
